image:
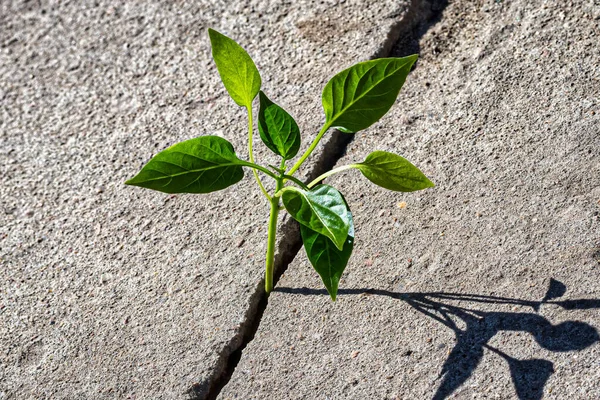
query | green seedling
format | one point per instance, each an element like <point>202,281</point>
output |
<point>353,100</point>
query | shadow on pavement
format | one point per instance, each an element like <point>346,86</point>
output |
<point>529,376</point>
<point>428,13</point>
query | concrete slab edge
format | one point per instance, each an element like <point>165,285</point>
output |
<point>401,37</point>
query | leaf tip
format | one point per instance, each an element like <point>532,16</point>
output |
<point>216,37</point>
<point>332,290</point>
<point>412,59</point>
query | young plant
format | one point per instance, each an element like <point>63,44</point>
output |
<point>353,100</point>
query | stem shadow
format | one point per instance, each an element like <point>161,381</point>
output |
<point>529,376</point>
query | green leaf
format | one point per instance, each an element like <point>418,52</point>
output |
<point>321,209</point>
<point>277,128</point>
<point>326,259</point>
<point>358,96</point>
<point>393,172</point>
<point>237,70</point>
<point>201,165</point>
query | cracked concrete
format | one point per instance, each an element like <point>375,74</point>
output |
<point>487,285</point>
<point>116,292</point>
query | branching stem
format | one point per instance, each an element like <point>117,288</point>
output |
<point>309,150</point>
<point>329,173</point>
<point>270,262</point>
<point>260,168</point>
<point>296,181</point>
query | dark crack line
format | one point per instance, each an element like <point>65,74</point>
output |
<point>287,249</point>
<point>402,39</point>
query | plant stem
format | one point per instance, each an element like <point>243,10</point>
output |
<point>270,262</point>
<point>309,150</point>
<point>296,181</point>
<point>329,173</point>
<point>260,168</point>
<point>251,153</point>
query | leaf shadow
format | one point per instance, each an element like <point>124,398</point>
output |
<point>529,376</point>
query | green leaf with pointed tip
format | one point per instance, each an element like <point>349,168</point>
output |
<point>277,128</point>
<point>201,165</point>
<point>393,172</point>
<point>359,96</point>
<point>326,259</point>
<point>237,70</point>
<point>321,209</point>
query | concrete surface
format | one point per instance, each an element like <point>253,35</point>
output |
<point>443,294</point>
<point>110,291</point>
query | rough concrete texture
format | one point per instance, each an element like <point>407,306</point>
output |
<point>110,291</point>
<point>486,286</point>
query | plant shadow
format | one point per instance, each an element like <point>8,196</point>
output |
<point>529,376</point>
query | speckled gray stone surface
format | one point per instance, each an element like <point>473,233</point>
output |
<point>109,291</point>
<point>442,297</point>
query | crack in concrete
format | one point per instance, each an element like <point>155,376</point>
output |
<point>401,40</point>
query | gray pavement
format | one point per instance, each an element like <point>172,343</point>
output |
<point>109,291</point>
<point>486,286</point>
